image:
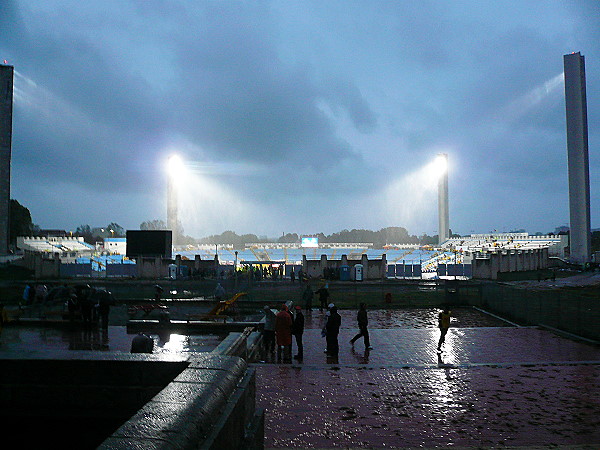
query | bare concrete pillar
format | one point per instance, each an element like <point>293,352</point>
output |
<point>323,265</point>
<point>443,207</point>
<point>6,107</point>
<point>578,159</point>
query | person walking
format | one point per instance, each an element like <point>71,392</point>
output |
<point>443,324</point>
<point>283,334</point>
<point>363,321</point>
<point>332,329</point>
<point>297,331</point>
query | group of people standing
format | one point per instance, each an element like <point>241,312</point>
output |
<point>278,332</point>
<point>83,303</point>
<point>281,327</point>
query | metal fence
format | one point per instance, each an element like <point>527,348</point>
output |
<point>563,310</point>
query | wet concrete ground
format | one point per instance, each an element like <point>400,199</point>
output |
<point>48,341</point>
<point>491,387</point>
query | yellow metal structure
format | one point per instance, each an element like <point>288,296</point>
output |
<point>224,305</point>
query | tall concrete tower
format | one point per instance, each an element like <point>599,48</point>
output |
<point>443,208</point>
<point>6,107</point>
<point>578,161</point>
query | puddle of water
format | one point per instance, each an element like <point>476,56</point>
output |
<point>43,340</point>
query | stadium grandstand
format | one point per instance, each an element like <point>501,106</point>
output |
<point>556,244</point>
<point>72,250</point>
<point>403,260</point>
<point>53,244</point>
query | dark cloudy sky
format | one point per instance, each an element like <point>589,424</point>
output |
<point>297,116</point>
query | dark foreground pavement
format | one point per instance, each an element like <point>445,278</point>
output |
<point>491,387</point>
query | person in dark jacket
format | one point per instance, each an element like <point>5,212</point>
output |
<point>142,343</point>
<point>85,304</point>
<point>332,329</point>
<point>323,296</point>
<point>103,299</point>
<point>362,320</point>
<point>307,296</point>
<point>297,331</point>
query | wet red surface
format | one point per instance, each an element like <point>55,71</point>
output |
<point>490,387</point>
<point>408,318</point>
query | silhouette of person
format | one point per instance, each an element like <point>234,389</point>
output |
<point>307,296</point>
<point>142,343</point>
<point>443,324</point>
<point>363,321</point>
<point>332,329</point>
<point>297,331</point>
<point>323,296</point>
<point>283,334</point>
<point>269,330</point>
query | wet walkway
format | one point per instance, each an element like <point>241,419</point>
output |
<point>491,387</point>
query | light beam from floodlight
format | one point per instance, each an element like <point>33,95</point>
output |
<point>175,167</point>
<point>441,164</point>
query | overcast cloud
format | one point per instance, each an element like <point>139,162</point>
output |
<point>297,116</point>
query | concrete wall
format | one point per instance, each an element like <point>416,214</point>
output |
<point>44,265</point>
<point>375,269</point>
<point>487,265</point>
<point>131,401</point>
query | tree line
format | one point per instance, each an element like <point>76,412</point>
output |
<point>388,235</point>
<point>21,224</point>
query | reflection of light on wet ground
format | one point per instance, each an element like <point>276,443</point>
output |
<point>175,343</point>
<point>408,318</point>
<point>47,341</point>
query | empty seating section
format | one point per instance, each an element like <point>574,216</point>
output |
<point>501,241</point>
<point>54,244</point>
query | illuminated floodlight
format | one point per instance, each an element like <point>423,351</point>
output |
<point>175,166</point>
<point>440,165</point>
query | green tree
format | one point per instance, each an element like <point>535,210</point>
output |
<point>289,238</point>
<point>85,231</point>
<point>117,230</point>
<point>20,221</point>
<point>155,224</point>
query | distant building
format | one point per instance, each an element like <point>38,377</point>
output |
<point>114,246</point>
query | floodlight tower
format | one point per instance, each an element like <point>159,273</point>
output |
<point>174,171</point>
<point>443,208</point>
<point>6,108</point>
<point>578,159</point>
